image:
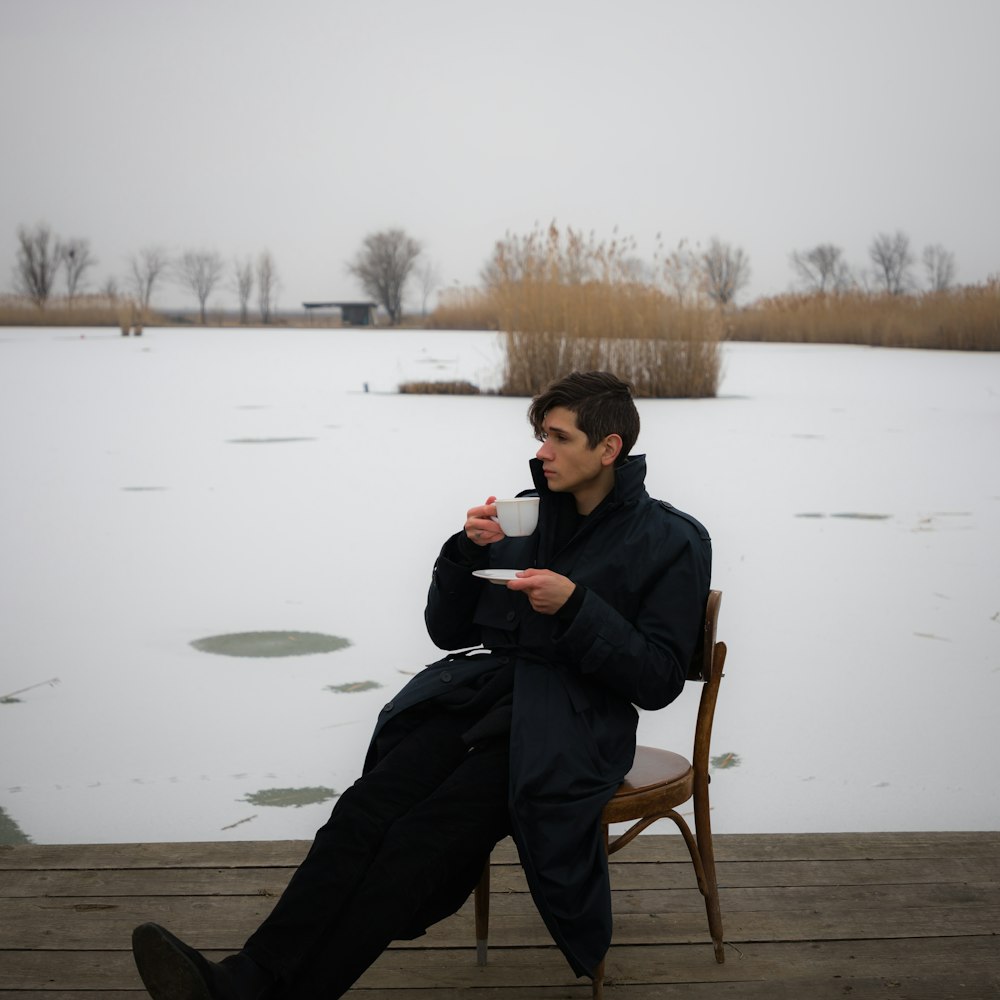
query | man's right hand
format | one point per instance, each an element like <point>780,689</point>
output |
<point>480,526</point>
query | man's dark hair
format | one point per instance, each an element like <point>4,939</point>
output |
<point>602,403</point>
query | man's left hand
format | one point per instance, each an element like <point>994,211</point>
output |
<point>546,591</point>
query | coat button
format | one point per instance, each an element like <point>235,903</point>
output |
<point>389,707</point>
<point>505,660</point>
<point>511,616</point>
<point>445,676</point>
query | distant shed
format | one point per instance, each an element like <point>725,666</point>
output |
<point>351,313</point>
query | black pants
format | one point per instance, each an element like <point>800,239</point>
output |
<point>403,848</point>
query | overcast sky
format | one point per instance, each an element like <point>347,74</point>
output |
<point>301,126</point>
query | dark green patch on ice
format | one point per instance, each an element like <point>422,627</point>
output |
<point>725,760</point>
<point>354,686</point>
<point>283,797</point>
<point>270,643</point>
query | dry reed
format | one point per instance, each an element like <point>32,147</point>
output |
<point>455,388</point>
<point>963,319</point>
<point>87,310</point>
<point>565,302</point>
<point>464,309</point>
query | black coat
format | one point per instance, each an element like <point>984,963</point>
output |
<point>646,570</point>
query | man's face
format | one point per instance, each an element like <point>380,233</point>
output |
<point>569,463</point>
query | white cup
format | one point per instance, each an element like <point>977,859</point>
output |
<point>518,516</point>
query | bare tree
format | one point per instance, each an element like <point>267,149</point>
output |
<point>145,269</point>
<point>383,266</point>
<point>267,285</point>
<point>243,283</point>
<point>200,271</point>
<point>822,268</point>
<point>893,261</point>
<point>939,266</point>
<point>509,262</point>
<point>726,269</point>
<point>429,276</point>
<point>36,264</point>
<point>682,274</point>
<point>76,260</point>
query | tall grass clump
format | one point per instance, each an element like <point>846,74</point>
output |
<point>457,387</point>
<point>83,310</point>
<point>962,319</point>
<point>464,309</point>
<point>566,302</point>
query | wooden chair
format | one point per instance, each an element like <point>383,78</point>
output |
<point>657,784</point>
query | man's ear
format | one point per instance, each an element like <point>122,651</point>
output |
<point>611,448</point>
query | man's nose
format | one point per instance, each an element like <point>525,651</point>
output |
<point>544,453</point>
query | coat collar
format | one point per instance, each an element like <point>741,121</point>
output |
<point>630,478</point>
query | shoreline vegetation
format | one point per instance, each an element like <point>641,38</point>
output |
<point>963,319</point>
<point>966,318</point>
<point>562,301</point>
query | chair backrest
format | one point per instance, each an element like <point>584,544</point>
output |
<point>702,663</point>
<point>707,667</point>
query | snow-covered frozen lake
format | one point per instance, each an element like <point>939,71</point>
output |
<point>194,483</point>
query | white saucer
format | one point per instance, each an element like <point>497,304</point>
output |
<point>496,575</point>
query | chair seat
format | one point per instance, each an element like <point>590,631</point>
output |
<point>659,780</point>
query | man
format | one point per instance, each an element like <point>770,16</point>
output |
<point>528,730</point>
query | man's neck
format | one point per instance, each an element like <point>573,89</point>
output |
<point>589,497</point>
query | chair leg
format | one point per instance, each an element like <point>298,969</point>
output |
<point>598,983</point>
<point>715,924</point>
<point>482,903</point>
<point>703,828</point>
<point>699,845</point>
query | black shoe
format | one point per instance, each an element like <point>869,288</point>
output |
<point>170,969</point>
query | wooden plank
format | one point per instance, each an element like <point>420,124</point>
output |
<point>443,969</point>
<point>900,988</point>
<point>680,875</point>
<point>646,848</point>
<point>837,846</point>
<point>971,987</point>
<point>236,854</point>
<point>509,877</point>
<point>267,884</point>
<point>685,963</point>
<point>521,930</point>
<point>147,882</point>
<point>848,872</point>
<point>832,898</point>
<point>226,921</point>
<point>974,986</point>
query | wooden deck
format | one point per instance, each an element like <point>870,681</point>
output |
<point>900,916</point>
